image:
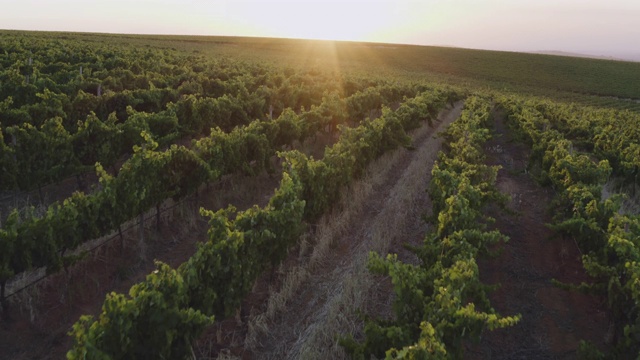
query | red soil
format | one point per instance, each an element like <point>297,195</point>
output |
<point>554,320</point>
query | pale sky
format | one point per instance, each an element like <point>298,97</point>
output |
<point>603,27</point>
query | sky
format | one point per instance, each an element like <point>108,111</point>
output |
<point>603,27</point>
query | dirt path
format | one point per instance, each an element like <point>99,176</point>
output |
<point>553,320</point>
<point>325,286</point>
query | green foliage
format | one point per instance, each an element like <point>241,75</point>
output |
<point>427,347</point>
<point>41,155</point>
<point>7,165</point>
<point>97,142</point>
<point>151,323</point>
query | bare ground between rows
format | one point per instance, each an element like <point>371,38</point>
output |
<point>42,315</point>
<point>553,320</point>
<point>380,212</point>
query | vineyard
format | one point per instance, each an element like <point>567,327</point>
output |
<point>200,197</point>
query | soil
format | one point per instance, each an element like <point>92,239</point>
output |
<point>554,320</point>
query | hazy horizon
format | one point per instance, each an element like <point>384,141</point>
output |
<point>597,28</point>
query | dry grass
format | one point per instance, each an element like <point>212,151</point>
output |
<point>329,228</point>
<point>389,225</point>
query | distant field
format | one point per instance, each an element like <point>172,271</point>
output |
<point>596,82</point>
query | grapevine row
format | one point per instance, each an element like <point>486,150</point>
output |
<point>610,134</point>
<point>441,301</point>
